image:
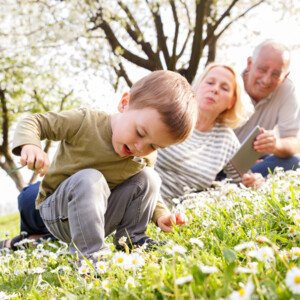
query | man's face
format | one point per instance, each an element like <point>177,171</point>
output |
<point>138,132</point>
<point>265,73</point>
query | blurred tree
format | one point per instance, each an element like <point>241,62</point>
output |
<point>167,34</point>
<point>28,83</point>
<point>23,92</point>
<point>48,47</point>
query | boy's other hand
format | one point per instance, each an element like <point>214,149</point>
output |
<point>35,159</point>
<point>166,222</point>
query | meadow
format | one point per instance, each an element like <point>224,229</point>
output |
<point>239,243</point>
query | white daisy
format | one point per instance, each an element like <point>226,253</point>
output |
<point>135,260</point>
<point>120,259</point>
<point>208,269</point>
<point>243,293</point>
<point>243,246</point>
<point>183,280</point>
<point>292,280</point>
<point>295,253</point>
<point>197,242</point>
<point>130,283</point>
<point>101,266</point>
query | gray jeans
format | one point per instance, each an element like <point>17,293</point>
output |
<point>83,210</point>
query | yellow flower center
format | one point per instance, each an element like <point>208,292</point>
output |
<point>297,253</point>
<point>242,292</point>
<point>134,261</point>
<point>297,279</point>
<point>120,259</point>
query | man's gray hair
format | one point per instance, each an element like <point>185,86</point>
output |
<point>283,49</point>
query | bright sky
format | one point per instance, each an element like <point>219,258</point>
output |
<point>263,23</point>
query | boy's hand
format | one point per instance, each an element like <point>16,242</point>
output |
<point>35,159</point>
<point>166,222</point>
<point>253,180</point>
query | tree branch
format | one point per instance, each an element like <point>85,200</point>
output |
<point>238,17</point>
<point>117,47</point>
<point>5,123</point>
<point>137,34</point>
<point>161,38</point>
<point>173,58</point>
<point>197,45</point>
<point>121,72</point>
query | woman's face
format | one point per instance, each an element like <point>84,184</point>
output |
<point>216,91</point>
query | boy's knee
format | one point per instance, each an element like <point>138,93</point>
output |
<point>90,181</point>
<point>88,177</point>
<point>150,179</point>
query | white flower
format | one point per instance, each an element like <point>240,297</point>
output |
<point>105,285</point>
<point>208,269</point>
<point>243,293</point>
<point>295,253</point>
<point>243,246</point>
<point>129,283</point>
<point>122,240</point>
<point>265,254</point>
<point>101,266</point>
<point>5,296</point>
<point>296,219</point>
<point>183,280</point>
<point>135,260</point>
<point>292,280</point>
<point>37,270</point>
<point>178,249</point>
<point>197,242</point>
<point>120,259</point>
<point>84,269</point>
<point>246,270</point>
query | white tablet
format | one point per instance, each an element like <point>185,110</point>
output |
<point>246,156</point>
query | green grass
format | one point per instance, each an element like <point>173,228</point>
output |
<point>9,224</point>
<point>239,244</point>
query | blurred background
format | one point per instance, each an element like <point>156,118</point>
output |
<point>56,55</point>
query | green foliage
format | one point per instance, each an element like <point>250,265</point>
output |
<point>239,242</point>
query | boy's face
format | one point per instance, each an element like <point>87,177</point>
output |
<point>138,132</point>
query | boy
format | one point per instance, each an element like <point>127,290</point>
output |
<point>100,179</point>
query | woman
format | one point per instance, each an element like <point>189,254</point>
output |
<point>223,105</point>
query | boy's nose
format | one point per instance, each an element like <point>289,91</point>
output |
<point>139,146</point>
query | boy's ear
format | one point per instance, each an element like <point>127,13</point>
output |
<point>124,102</point>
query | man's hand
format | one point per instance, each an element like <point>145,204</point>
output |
<point>35,159</point>
<point>253,180</point>
<point>265,142</point>
<point>166,222</point>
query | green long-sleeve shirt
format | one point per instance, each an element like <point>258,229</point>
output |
<point>85,137</point>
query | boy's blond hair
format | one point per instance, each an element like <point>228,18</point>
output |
<point>172,96</point>
<point>242,108</point>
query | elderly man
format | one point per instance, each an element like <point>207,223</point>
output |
<point>277,108</point>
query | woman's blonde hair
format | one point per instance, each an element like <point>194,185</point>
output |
<point>242,109</point>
